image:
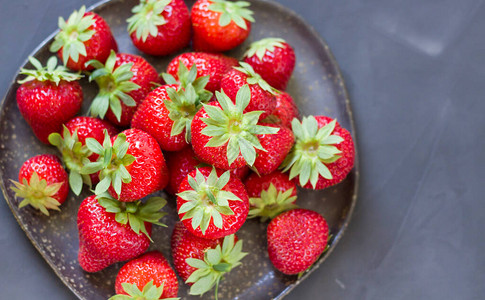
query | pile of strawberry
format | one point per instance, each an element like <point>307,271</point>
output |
<point>197,132</point>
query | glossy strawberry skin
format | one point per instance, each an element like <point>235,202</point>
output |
<point>256,184</point>
<point>172,36</point>
<point>144,75</point>
<point>148,172</point>
<point>149,266</point>
<point>102,240</point>
<point>216,156</point>
<point>230,223</point>
<point>276,67</point>
<point>342,167</point>
<point>48,167</point>
<point>277,146</point>
<point>46,106</point>
<point>209,36</point>
<point>186,245</point>
<point>213,65</point>
<point>260,99</point>
<point>296,239</point>
<point>285,110</point>
<point>152,116</point>
<point>98,46</point>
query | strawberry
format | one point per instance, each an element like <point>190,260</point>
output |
<point>262,94</point>
<point>296,239</point>
<point>131,165</point>
<point>111,231</point>
<point>202,262</point>
<point>276,147</point>
<point>48,97</point>
<point>270,195</point>
<point>73,147</point>
<point>84,36</point>
<point>147,272</point>
<point>42,183</point>
<point>212,204</point>
<point>160,27</point>
<point>220,25</point>
<point>124,82</point>
<point>273,59</point>
<point>323,154</point>
<point>285,110</point>
<point>212,65</point>
<point>224,136</point>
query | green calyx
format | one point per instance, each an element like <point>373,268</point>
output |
<point>260,47</point>
<point>72,35</point>
<point>271,203</point>
<point>149,292</point>
<point>114,86</point>
<point>232,11</point>
<point>75,156</point>
<point>314,148</point>
<point>111,163</point>
<point>135,213</point>
<point>207,201</point>
<point>147,17</point>
<point>37,193</point>
<point>232,126</point>
<point>51,72</point>
<point>255,78</point>
<point>216,263</point>
<point>186,101</point>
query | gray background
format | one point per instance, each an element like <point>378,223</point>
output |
<point>415,72</point>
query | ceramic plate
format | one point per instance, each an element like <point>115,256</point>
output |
<point>317,88</point>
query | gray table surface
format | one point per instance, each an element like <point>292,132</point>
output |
<point>415,71</point>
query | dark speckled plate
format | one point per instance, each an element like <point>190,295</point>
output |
<point>317,87</point>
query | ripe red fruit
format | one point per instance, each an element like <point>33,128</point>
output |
<point>323,154</point>
<point>212,65</point>
<point>262,95</point>
<point>42,183</point>
<point>151,267</point>
<point>48,97</point>
<point>273,59</point>
<point>277,146</point>
<point>160,27</point>
<point>124,82</point>
<point>121,234</point>
<point>84,36</point>
<point>285,110</point>
<point>212,204</point>
<point>220,25</point>
<point>296,239</point>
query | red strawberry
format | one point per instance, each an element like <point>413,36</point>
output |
<point>110,231</point>
<point>276,146</point>
<point>212,204</point>
<point>212,65</point>
<point>296,239</point>
<point>124,82</point>
<point>285,110</point>
<point>48,97</point>
<point>73,148</point>
<point>323,154</point>
<point>262,95</point>
<point>160,27</point>
<point>131,165</point>
<point>83,37</point>
<point>220,25</point>
<point>273,59</point>
<point>270,195</point>
<point>42,183</point>
<point>224,136</point>
<point>202,262</point>
<point>149,271</point>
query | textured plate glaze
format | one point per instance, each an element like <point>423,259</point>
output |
<point>317,87</point>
